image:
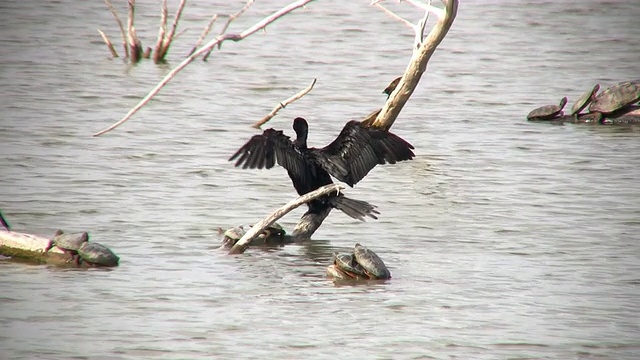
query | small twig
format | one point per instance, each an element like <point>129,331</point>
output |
<point>393,15</point>
<point>174,26</point>
<point>226,25</point>
<point>283,104</point>
<point>176,36</point>
<point>205,32</point>
<point>108,42</point>
<point>258,228</point>
<point>122,32</point>
<point>161,32</point>
<point>235,37</point>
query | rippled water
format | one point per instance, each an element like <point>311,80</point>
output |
<point>506,239</point>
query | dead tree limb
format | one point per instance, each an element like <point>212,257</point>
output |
<point>161,31</point>
<point>218,40</point>
<point>205,32</point>
<point>283,104</point>
<point>135,45</point>
<point>258,228</point>
<point>114,53</point>
<point>422,52</point>
<point>167,41</point>
<point>122,32</point>
<point>226,25</point>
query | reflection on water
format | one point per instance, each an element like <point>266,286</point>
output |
<point>506,239</point>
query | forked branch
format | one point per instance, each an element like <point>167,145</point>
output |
<point>208,46</point>
<point>283,104</point>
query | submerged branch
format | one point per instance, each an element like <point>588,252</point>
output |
<point>258,228</point>
<point>122,32</point>
<point>283,104</point>
<point>113,51</point>
<point>161,31</point>
<point>235,37</point>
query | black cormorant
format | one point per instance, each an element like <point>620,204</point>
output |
<point>349,158</point>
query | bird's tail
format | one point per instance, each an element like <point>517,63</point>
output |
<point>356,209</point>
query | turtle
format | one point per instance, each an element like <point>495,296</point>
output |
<point>97,254</point>
<point>231,235</point>
<point>68,243</point>
<point>615,98</point>
<point>584,100</point>
<point>548,112</point>
<point>373,266</point>
<point>272,231</point>
<point>347,264</point>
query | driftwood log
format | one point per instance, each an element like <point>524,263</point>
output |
<point>32,248</point>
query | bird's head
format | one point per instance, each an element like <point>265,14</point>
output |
<point>300,126</point>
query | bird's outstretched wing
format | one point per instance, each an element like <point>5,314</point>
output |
<point>358,149</point>
<point>264,150</point>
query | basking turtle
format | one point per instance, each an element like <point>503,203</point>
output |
<point>548,112</point>
<point>616,97</point>
<point>69,243</point>
<point>347,264</point>
<point>274,230</point>
<point>97,254</point>
<point>231,235</point>
<point>584,100</point>
<point>371,263</point>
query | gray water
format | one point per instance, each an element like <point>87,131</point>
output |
<point>506,239</point>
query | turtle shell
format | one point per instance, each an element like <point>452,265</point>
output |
<point>347,263</point>
<point>98,254</point>
<point>235,233</point>
<point>371,262</point>
<point>71,242</point>
<point>547,112</point>
<point>584,100</point>
<point>616,97</point>
<point>276,229</point>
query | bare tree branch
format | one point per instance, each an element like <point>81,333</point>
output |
<point>226,25</point>
<point>418,63</point>
<point>283,104</point>
<point>218,40</point>
<point>205,32</point>
<point>122,32</point>
<point>258,228</point>
<point>108,42</point>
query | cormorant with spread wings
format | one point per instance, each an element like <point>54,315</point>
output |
<point>349,158</point>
